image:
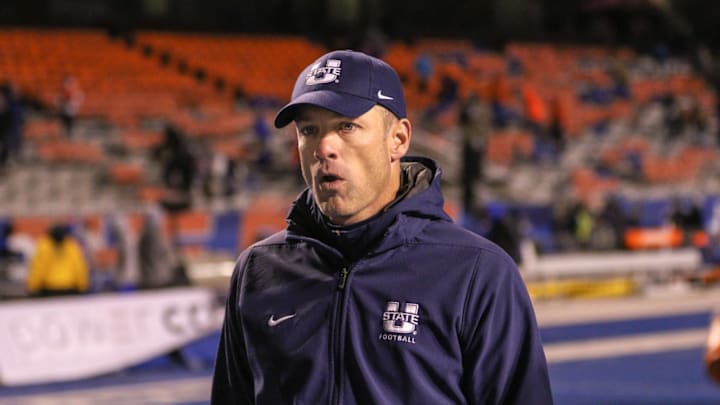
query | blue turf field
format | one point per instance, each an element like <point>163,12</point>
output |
<point>674,377</point>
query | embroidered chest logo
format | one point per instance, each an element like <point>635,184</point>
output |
<point>400,326</point>
<point>324,74</point>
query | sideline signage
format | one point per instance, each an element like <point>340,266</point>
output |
<point>58,339</point>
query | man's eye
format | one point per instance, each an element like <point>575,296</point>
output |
<point>347,126</point>
<point>308,130</point>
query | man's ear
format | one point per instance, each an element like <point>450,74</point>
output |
<point>400,139</point>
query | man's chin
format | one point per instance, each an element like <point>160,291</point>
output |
<point>333,211</point>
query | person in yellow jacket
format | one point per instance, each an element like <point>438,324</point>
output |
<point>59,266</point>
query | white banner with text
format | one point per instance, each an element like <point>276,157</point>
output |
<point>60,339</point>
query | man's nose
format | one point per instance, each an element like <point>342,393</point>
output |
<point>327,147</point>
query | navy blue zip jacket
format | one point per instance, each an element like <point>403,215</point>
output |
<point>403,308</point>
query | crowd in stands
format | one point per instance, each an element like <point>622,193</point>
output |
<point>573,147</point>
<point>91,255</point>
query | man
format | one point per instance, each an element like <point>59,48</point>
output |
<point>59,266</point>
<point>372,295</point>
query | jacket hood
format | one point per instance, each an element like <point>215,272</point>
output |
<point>419,196</point>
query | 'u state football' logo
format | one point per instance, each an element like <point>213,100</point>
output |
<point>400,326</point>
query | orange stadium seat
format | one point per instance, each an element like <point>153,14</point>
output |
<point>141,140</point>
<point>264,215</point>
<point>152,194</point>
<point>108,73</point>
<point>192,224</point>
<point>503,147</point>
<point>126,173</point>
<point>587,185</point>
<point>70,151</point>
<point>237,58</point>
<point>38,130</point>
<point>33,226</point>
<point>232,148</point>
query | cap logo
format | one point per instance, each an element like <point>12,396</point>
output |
<point>383,97</point>
<point>324,74</point>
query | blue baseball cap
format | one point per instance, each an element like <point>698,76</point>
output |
<point>348,83</point>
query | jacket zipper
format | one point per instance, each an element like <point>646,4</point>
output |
<point>337,337</point>
<point>343,278</point>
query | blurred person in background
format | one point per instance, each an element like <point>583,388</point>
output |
<point>16,250</point>
<point>59,266</point>
<point>102,261</point>
<point>14,243</point>
<point>70,99</point>
<point>713,223</point>
<point>448,94</point>
<point>221,173</point>
<point>160,267</point>
<point>261,145</point>
<point>501,95</point>
<point>178,163</point>
<point>12,119</point>
<point>711,252</point>
<point>159,264</point>
<point>373,295</point>
<point>475,123</point>
<point>558,127</point>
<point>122,237</point>
<point>613,217</point>
<point>4,129</point>
<point>11,262</point>
<point>583,223</point>
<point>687,216</point>
<point>505,232</point>
<point>423,68</point>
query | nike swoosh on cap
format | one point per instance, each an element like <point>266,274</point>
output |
<point>383,97</point>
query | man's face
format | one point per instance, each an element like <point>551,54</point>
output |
<point>350,164</point>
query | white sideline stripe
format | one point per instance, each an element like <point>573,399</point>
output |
<point>627,345</point>
<point>196,389</point>
<point>564,312</point>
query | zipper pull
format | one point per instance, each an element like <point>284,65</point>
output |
<point>343,278</point>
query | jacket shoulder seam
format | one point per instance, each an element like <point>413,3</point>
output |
<point>468,293</point>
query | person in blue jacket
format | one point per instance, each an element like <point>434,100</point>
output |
<point>372,295</point>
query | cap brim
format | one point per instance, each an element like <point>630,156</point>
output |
<point>341,103</point>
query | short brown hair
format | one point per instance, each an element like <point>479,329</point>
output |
<point>388,118</point>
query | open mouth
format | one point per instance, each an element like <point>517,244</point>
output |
<point>329,181</point>
<point>328,178</point>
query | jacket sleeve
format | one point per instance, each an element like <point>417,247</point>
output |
<point>232,379</point>
<point>503,358</point>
